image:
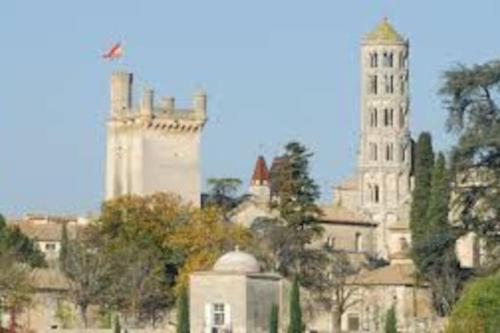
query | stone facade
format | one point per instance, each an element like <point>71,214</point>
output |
<point>153,148</point>
<point>382,185</point>
<point>234,297</point>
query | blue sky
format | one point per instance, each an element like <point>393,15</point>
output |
<point>274,71</point>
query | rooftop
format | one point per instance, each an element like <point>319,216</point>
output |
<point>384,33</point>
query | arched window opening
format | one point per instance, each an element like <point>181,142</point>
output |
<point>374,60</point>
<point>373,117</point>
<point>358,242</point>
<point>373,87</point>
<point>373,151</point>
<point>376,194</point>
<point>388,59</point>
<point>389,84</point>
<point>389,152</point>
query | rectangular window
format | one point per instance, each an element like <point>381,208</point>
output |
<point>388,59</point>
<point>373,88</point>
<point>402,84</point>
<point>373,60</point>
<point>401,117</point>
<point>218,315</point>
<point>373,118</point>
<point>389,84</point>
<point>373,151</point>
<point>50,246</point>
<point>353,323</point>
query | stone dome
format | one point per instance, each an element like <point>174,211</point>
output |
<point>238,262</point>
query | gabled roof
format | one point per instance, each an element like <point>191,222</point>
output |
<point>260,172</point>
<point>384,33</point>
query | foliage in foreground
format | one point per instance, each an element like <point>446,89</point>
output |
<point>183,312</point>
<point>391,325</point>
<point>478,309</point>
<point>295,310</point>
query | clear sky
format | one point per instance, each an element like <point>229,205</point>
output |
<point>275,70</point>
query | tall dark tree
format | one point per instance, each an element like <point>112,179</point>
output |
<point>117,327</point>
<point>471,95</point>
<point>295,310</point>
<point>434,253</point>
<point>424,161</point>
<point>391,325</point>
<point>63,253</point>
<point>222,192</point>
<point>183,312</point>
<point>274,319</point>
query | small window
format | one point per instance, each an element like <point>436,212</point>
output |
<point>402,60</point>
<point>330,242</point>
<point>373,59</point>
<point>388,59</point>
<point>389,84</point>
<point>373,151</point>
<point>388,117</point>
<point>50,246</point>
<point>389,152</point>
<point>353,323</point>
<point>402,115</point>
<point>402,84</point>
<point>376,194</point>
<point>373,87</point>
<point>358,242</point>
<point>373,117</point>
<point>218,313</point>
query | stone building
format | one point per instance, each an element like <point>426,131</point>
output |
<point>153,148</point>
<point>234,297</point>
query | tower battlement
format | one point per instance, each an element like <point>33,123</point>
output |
<point>153,147</point>
<point>164,116</point>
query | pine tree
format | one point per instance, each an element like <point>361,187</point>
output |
<point>424,162</point>
<point>183,312</point>
<point>390,321</point>
<point>295,311</point>
<point>273,319</point>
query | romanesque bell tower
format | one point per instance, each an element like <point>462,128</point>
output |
<point>385,145</point>
<point>153,148</point>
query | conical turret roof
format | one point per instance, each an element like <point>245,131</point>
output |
<point>260,172</point>
<point>384,33</point>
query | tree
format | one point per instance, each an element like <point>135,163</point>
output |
<point>183,312</point>
<point>63,253</point>
<point>274,319</point>
<point>478,308</point>
<point>295,310</point>
<point>19,245</point>
<point>434,252</point>
<point>222,192</point>
<point>286,237</point>
<point>424,161</point>
<point>117,327</point>
<point>333,284</point>
<point>470,95</point>
<point>87,270</point>
<point>390,321</point>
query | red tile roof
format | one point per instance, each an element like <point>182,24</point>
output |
<point>260,173</point>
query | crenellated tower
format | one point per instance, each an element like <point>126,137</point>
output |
<point>384,166</point>
<point>153,148</point>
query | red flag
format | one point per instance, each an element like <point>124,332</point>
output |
<point>114,53</point>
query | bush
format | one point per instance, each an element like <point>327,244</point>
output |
<point>478,310</point>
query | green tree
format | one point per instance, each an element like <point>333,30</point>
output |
<point>63,253</point>
<point>223,192</point>
<point>285,238</point>
<point>434,252</point>
<point>117,327</point>
<point>470,95</point>
<point>424,162</point>
<point>183,312</point>
<point>274,319</point>
<point>295,310</point>
<point>478,309</point>
<point>391,325</point>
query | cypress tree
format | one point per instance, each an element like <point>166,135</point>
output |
<point>424,162</point>
<point>390,321</point>
<point>117,327</point>
<point>295,311</point>
<point>273,319</point>
<point>183,312</point>
<point>63,254</point>
<point>437,213</point>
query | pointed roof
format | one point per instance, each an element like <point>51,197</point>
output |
<point>384,33</point>
<point>260,172</point>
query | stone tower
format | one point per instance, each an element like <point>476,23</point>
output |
<point>384,167</point>
<point>153,148</point>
